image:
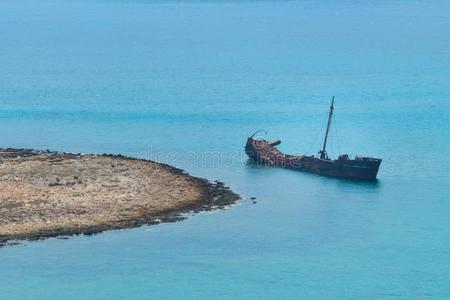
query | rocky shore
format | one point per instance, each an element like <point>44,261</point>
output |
<point>47,194</point>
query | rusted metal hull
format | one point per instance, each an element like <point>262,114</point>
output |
<point>264,152</point>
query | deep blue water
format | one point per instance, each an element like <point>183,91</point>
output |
<point>185,82</point>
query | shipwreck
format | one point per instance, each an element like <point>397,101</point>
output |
<point>265,152</point>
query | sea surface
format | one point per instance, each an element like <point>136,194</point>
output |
<point>186,82</point>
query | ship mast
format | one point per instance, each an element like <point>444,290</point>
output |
<point>323,154</point>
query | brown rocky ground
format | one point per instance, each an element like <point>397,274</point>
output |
<point>44,194</point>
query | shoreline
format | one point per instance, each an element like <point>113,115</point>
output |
<point>111,192</point>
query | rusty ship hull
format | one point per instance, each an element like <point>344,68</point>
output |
<point>359,168</point>
<point>264,152</point>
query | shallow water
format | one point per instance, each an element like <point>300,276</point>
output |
<point>185,82</point>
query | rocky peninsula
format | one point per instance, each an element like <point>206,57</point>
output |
<point>47,194</point>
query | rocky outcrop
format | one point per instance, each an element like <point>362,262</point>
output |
<point>45,194</point>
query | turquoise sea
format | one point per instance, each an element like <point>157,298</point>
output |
<point>185,82</point>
